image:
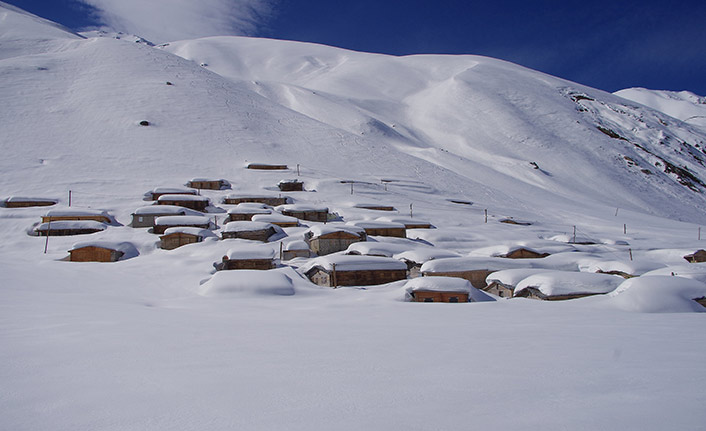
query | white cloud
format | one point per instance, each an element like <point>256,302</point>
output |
<point>168,20</point>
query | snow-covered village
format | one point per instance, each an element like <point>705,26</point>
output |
<point>232,232</point>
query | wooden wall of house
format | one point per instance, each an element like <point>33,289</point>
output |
<point>98,218</point>
<point>194,205</point>
<point>324,246</point>
<point>207,185</point>
<point>357,278</point>
<point>476,277</point>
<point>433,296</point>
<point>258,199</point>
<point>262,264</point>
<point>525,254</point>
<point>176,240</point>
<point>261,166</point>
<point>389,231</point>
<point>94,254</point>
<point>499,289</point>
<point>160,229</point>
<point>291,254</point>
<point>26,204</point>
<point>291,186</point>
<point>67,232</point>
<point>320,216</point>
<point>240,216</point>
<point>256,235</point>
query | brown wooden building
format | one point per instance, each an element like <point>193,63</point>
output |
<point>696,257</point>
<point>305,212</point>
<point>176,237</point>
<point>247,256</point>
<point>475,270</point>
<point>102,251</point>
<point>208,184</point>
<point>277,219</point>
<point>267,200</point>
<point>409,223</point>
<point>154,194</point>
<point>245,211</point>
<point>70,227</point>
<point>194,202</point>
<point>22,202</point>
<point>291,186</point>
<point>354,270</point>
<point>71,214</point>
<point>267,167</point>
<point>382,228</point>
<point>524,253</point>
<point>295,249</point>
<point>145,216</point>
<point>251,230</point>
<point>161,224</point>
<point>332,237</point>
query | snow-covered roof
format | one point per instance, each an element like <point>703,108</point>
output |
<point>246,282</point>
<point>181,221</point>
<point>345,262</point>
<point>403,220</point>
<point>695,271</point>
<point>274,218</point>
<point>77,212</point>
<point>246,226</point>
<point>510,277</point>
<point>196,231</point>
<point>447,284</point>
<point>376,248</point>
<point>71,224</point>
<point>302,208</point>
<point>325,229</point>
<point>296,245</point>
<point>165,209</point>
<point>658,294</point>
<point>29,199</point>
<point>251,251</point>
<point>249,209</point>
<point>554,283</point>
<point>289,181</point>
<point>377,224</point>
<point>203,179</point>
<point>425,254</point>
<point>633,267</point>
<point>127,248</point>
<point>196,198</point>
<point>172,190</point>
<point>459,264</point>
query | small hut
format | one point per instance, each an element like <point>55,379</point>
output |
<point>502,283</point>
<point>524,253</point>
<point>194,202</point>
<point>208,184</point>
<point>443,289</point>
<point>280,220</point>
<point>24,202</point>
<point>381,228</point>
<point>353,270</point>
<point>417,257</point>
<point>245,211</point>
<point>295,249</point>
<point>248,256</point>
<point>562,285</point>
<point>267,167</point>
<point>252,230</point>
<point>70,227</point>
<point>701,301</point>
<point>291,186</point>
<point>409,223</point>
<point>333,237</point>
<point>273,201</point>
<point>375,207</point>
<point>473,269</point>
<point>102,251</point>
<point>175,237</point>
<point>304,212</point>
<point>696,257</point>
<point>145,216</point>
<point>161,224</point>
<point>72,214</point>
<point>154,194</point>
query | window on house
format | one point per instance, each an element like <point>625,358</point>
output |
<point>428,299</point>
<point>453,299</point>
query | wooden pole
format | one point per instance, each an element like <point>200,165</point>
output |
<point>486,215</point>
<point>351,188</point>
<point>699,233</point>
<point>616,212</point>
<point>335,282</point>
<point>630,251</point>
<point>297,169</point>
<point>69,197</point>
<point>625,229</point>
<point>281,251</point>
<point>574,235</point>
<point>411,213</point>
<point>46,243</point>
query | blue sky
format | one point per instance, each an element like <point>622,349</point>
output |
<point>605,44</point>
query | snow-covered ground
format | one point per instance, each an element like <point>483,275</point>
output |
<point>157,341</point>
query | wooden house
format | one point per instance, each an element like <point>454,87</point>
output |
<point>248,256</point>
<point>23,202</point>
<point>439,289</point>
<point>701,301</point>
<point>353,270</point>
<point>305,212</point>
<point>102,251</point>
<point>154,194</point>
<point>473,269</point>
<point>69,227</point>
<point>295,249</point>
<point>409,223</point>
<point>72,214</point>
<point>194,202</point>
<point>499,289</point>
<point>277,219</point>
<point>175,237</point>
<point>245,211</point>
<point>267,167</point>
<point>375,207</point>
<point>291,186</point>
<point>562,285</point>
<point>161,224</point>
<point>145,216</point>
<point>524,253</point>
<point>252,230</point>
<point>332,237</point>
<point>208,184</point>
<point>272,201</point>
<point>382,228</point>
<point>502,283</point>
<point>696,257</point>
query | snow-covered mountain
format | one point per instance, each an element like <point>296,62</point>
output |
<point>682,105</point>
<point>493,155</point>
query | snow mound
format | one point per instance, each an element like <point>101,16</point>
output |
<point>555,283</point>
<point>659,294</point>
<point>246,282</point>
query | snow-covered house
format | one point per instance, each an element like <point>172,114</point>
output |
<point>70,227</point>
<point>305,212</point>
<point>235,199</point>
<point>473,269</point>
<point>375,207</point>
<point>155,193</point>
<point>245,211</point>
<point>697,256</point>
<point>267,167</point>
<point>145,216</point>
<point>24,202</point>
<point>278,219</point>
<point>381,228</point>
<point>161,224</point>
<point>175,237</point>
<point>524,253</point>
<point>208,184</point>
<point>102,251</point>
<point>253,230</point>
<point>502,283</point>
<point>294,249</point>
<point>353,270</point>
<point>443,289</point>
<point>560,285</point>
<point>194,202</point>
<point>68,214</point>
<point>248,256</point>
<point>408,222</point>
<point>333,237</point>
<point>291,186</point>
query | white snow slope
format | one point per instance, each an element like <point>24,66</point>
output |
<point>137,344</point>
